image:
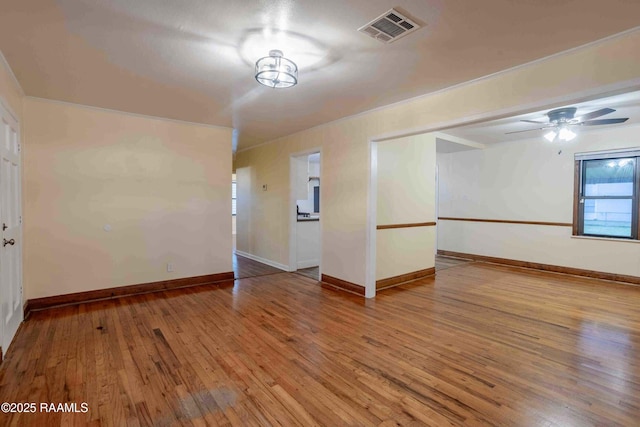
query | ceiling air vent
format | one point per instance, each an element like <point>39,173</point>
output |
<point>389,27</point>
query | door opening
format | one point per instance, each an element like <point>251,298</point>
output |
<point>305,245</point>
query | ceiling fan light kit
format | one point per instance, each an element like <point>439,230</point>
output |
<point>276,71</point>
<point>566,134</point>
<point>563,134</point>
<point>550,136</point>
<point>561,120</point>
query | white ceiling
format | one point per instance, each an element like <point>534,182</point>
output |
<point>193,60</point>
<point>494,131</point>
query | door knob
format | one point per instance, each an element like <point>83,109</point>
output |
<point>6,242</point>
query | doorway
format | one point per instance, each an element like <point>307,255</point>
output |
<point>305,245</point>
<point>11,219</point>
<point>245,263</point>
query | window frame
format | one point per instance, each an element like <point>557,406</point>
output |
<point>579,197</point>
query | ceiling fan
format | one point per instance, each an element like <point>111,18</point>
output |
<point>562,119</point>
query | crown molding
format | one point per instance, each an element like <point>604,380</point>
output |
<point>5,63</point>
<point>127,113</point>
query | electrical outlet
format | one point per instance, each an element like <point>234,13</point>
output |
<point>169,267</point>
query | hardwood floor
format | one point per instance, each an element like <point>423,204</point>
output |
<point>444,262</point>
<point>245,267</point>
<point>311,273</point>
<point>479,344</point>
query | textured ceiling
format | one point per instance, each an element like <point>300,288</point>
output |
<point>193,60</point>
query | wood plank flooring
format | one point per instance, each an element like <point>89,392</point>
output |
<point>479,344</point>
<point>245,267</point>
<point>444,262</point>
<point>311,273</point>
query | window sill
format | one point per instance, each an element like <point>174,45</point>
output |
<point>606,239</point>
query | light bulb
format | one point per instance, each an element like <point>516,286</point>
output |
<point>550,136</point>
<point>566,134</point>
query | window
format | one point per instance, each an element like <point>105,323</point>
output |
<point>606,200</point>
<point>233,194</point>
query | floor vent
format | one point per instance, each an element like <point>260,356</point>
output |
<point>389,27</point>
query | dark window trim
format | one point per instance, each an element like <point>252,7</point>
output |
<point>579,197</point>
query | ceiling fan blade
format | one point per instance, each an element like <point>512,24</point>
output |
<point>603,122</point>
<point>533,121</point>
<point>594,114</point>
<point>526,130</point>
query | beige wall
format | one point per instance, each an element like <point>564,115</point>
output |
<point>163,187</point>
<point>528,181</point>
<point>594,69</point>
<point>405,195</point>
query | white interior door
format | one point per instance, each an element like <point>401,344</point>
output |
<point>10,222</point>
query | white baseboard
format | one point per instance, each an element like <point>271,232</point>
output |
<point>308,263</point>
<point>263,260</point>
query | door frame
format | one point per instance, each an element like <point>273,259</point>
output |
<point>372,222</point>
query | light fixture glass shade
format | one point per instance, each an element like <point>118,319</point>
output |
<point>550,136</point>
<point>276,71</point>
<point>566,134</point>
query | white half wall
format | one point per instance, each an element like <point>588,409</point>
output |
<point>405,195</point>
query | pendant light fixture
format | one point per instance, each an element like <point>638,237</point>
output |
<point>276,71</point>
